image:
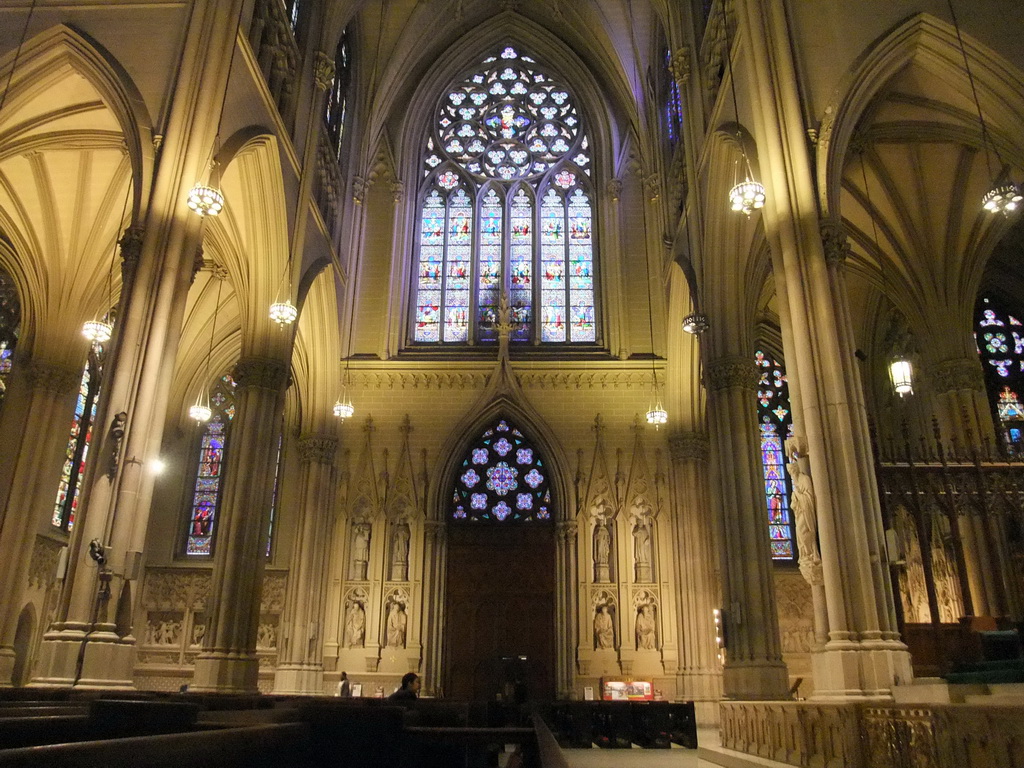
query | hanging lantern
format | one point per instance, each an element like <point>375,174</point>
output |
<point>1002,199</point>
<point>695,323</point>
<point>657,416</point>
<point>205,201</point>
<point>97,331</point>
<point>747,196</point>
<point>201,411</point>
<point>344,409</point>
<point>902,374</point>
<point>283,313</point>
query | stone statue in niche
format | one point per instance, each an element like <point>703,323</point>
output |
<point>646,629</point>
<point>604,629</point>
<point>602,552</point>
<point>642,548</point>
<point>355,625</point>
<point>163,632</point>
<point>400,552</point>
<point>805,516</point>
<point>266,636</point>
<point>397,622</point>
<point>360,551</point>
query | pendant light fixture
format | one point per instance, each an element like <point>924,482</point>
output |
<point>100,330</point>
<point>696,323</point>
<point>901,370</point>
<point>284,312</point>
<point>1003,197</point>
<point>343,408</point>
<point>746,195</point>
<point>201,410</point>
<point>205,199</point>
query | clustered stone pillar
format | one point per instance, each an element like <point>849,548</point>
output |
<point>47,394</point>
<point>435,555</point>
<point>753,656</point>
<point>700,673</point>
<point>228,662</point>
<point>565,602</point>
<point>300,666</point>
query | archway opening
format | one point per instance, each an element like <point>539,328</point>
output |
<point>500,596</point>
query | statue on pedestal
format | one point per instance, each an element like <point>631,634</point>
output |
<point>400,552</point>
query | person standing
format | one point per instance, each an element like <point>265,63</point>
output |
<point>344,687</point>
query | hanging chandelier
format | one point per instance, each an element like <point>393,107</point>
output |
<point>696,323</point>
<point>97,331</point>
<point>201,410</point>
<point>657,415</point>
<point>205,200</point>
<point>748,195</point>
<point>1001,198</point>
<point>344,409</point>
<point>283,313</point>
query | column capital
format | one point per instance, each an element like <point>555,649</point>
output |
<point>262,373</point>
<point>732,371</point>
<point>962,373</point>
<point>53,378</point>
<point>323,71</point>
<point>317,449</point>
<point>834,241</point>
<point>566,529</point>
<point>689,446</point>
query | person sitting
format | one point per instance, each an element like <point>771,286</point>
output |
<point>410,688</point>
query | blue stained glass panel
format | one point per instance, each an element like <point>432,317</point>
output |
<point>775,425</point>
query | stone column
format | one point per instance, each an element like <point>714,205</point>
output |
<point>753,658</point>
<point>961,403</point>
<point>300,667</point>
<point>565,606</point>
<point>864,656</point>
<point>228,660</point>
<point>435,555</point>
<point>700,672</point>
<point>40,401</point>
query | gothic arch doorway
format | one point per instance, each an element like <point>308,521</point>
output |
<point>500,633</point>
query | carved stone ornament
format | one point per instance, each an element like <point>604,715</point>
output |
<point>679,66</point>
<point>689,446</point>
<point>261,373</point>
<point>733,371</point>
<point>956,375</point>
<point>197,264</point>
<point>397,192</point>
<point>323,71</point>
<point>131,251</point>
<point>614,188</point>
<point>42,569</point>
<point>567,530</point>
<point>358,189</point>
<point>53,378</point>
<point>652,186</point>
<point>317,449</point>
<point>834,241</point>
<point>117,429</point>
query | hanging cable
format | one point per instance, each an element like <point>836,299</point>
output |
<point>17,54</point>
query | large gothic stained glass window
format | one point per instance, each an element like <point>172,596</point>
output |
<point>1000,339</point>
<point>502,478</point>
<point>10,318</point>
<point>775,424</point>
<point>77,452</point>
<point>206,492</point>
<point>506,209</point>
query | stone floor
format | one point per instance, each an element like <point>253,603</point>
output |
<point>633,758</point>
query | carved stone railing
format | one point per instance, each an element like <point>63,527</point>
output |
<point>792,732</point>
<point>273,42</point>
<point>327,181</point>
<point>875,736</point>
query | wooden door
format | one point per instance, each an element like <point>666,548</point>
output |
<point>500,617</point>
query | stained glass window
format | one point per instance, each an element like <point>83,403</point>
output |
<point>502,479</point>
<point>337,97</point>
<point>10,316</point>
<point>673,103</point>
<point>776,424</point>
<point>506,158</point>
<point>206,492</point>
<point>77,451</point>
<point>1000,339</point>
<point>273,499</point>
